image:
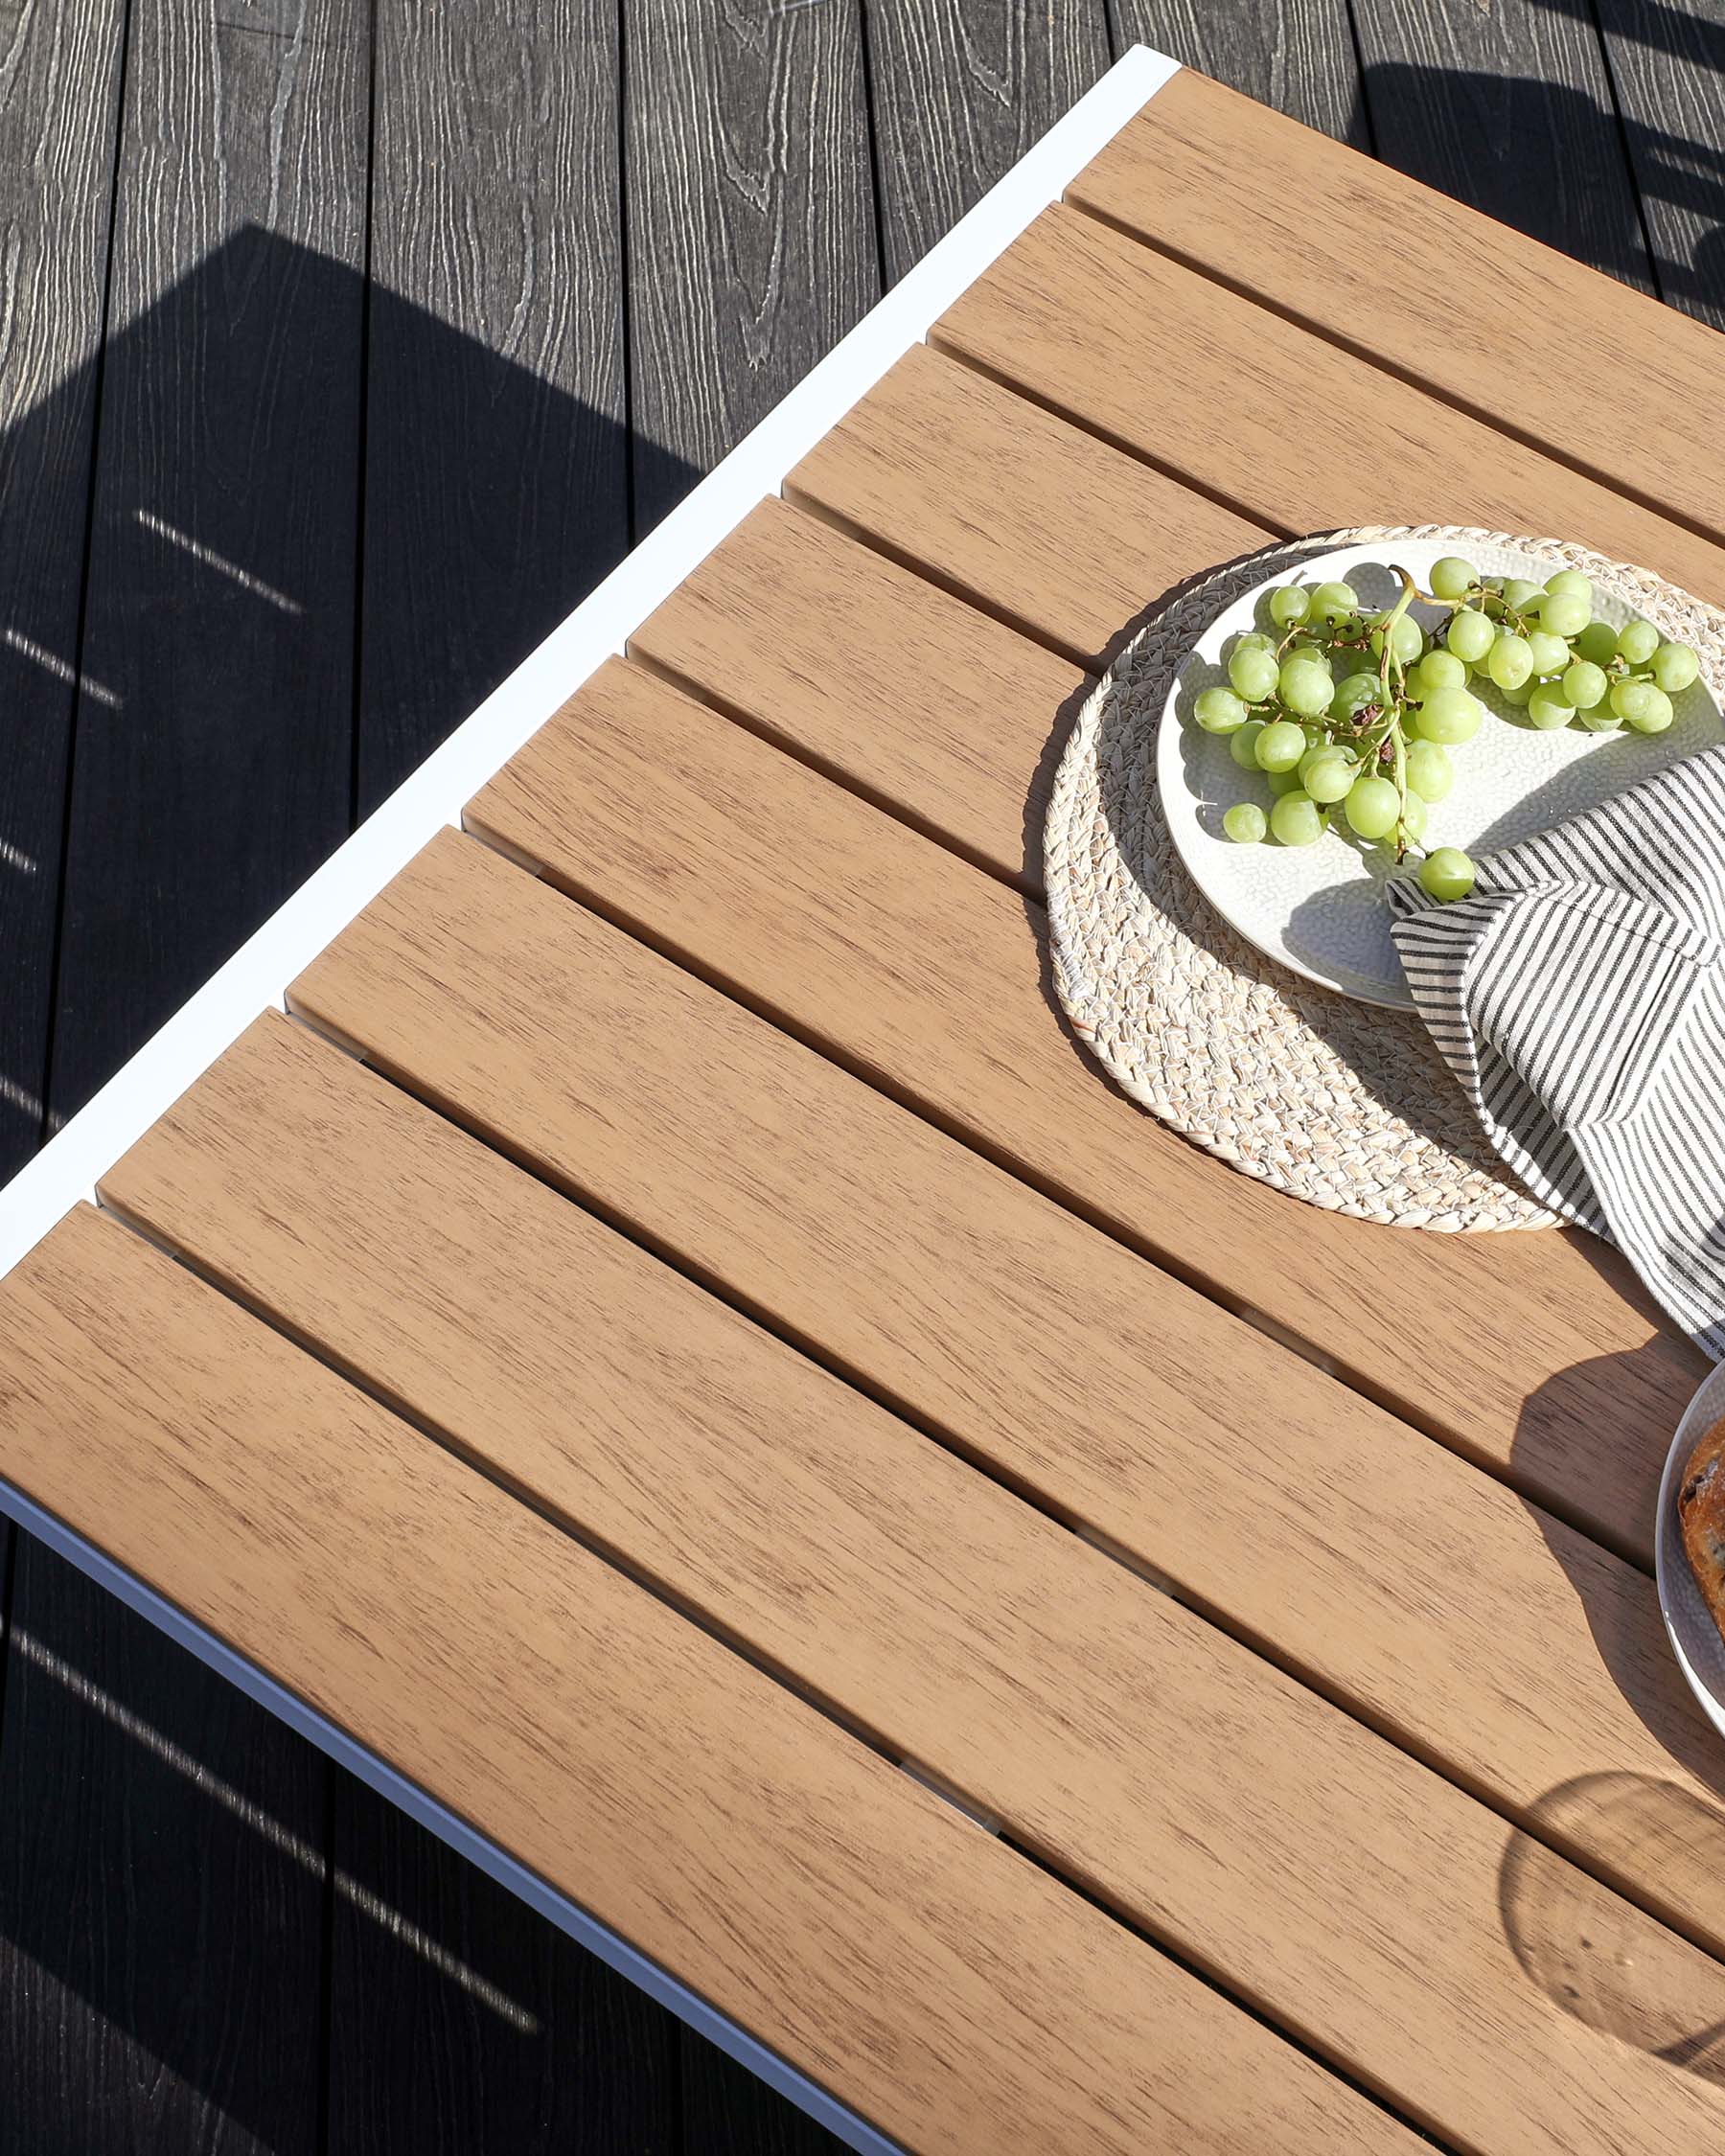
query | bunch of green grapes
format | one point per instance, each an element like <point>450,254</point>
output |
<point>1352,713</point>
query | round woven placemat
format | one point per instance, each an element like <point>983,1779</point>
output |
<point>1340,1103</point>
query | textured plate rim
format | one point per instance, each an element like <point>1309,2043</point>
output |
<point>1706,1405</point>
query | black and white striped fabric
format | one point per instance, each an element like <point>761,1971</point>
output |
<point>1578,994</point>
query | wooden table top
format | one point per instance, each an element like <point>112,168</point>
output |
<point>668,1344</point>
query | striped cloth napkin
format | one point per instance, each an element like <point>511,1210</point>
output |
<point>1578,994</point>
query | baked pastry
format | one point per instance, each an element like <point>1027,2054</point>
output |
<point>1701,1507</point>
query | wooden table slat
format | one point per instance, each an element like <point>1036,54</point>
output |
<point>1288,428</point>
<point>1423,1594</point>
<point>1341,1886</point>
<point>1544,346</point>
<point>1556,1370</point>
<point>1012,508</point>
<point>964,2000</point>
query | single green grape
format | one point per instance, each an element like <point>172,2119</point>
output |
<point>1565,613</point>
<point>1447,874</point>
<point>1306,689</point>
<point>1509,661</point>
<point>1303,650</point>
<point>1450,716</point>
<point>1245,823</point>
<point>1549,707</point>
<point>1633,697</point>
<point>1452,576</point>
<point>1601,720</point>
<point>1584,684</point>
<point>1243,748</point>
<point>1440,669</point>
<point>1371,807</point>
<point>1407,639</point>
<point>1636,642</point>
<point>1284,781</point>
<point>1331,600</point>
<point>1518,700</point>
<point>1469,635</point>
<point>1519,594</point>
<point>1413,816</point>
<point>1674,666</point>
<point>1596,643</point>
<point>1281,745</point>
<point>1297,819</point>
<point>1429,772</point>
<point>1551,654</point>
<point>1327,775</point>
<point>1254,673</point>
<point>1353,695</point>
<point>1290,605</point>
<point>1252,640</point>
<point>1219,711</point>
<point>1653,714</point>
<point>1571,581</point>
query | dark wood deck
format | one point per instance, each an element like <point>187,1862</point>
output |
<point>343,348</point>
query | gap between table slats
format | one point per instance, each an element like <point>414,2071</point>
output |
<point>936,1981</point>
<point>1119,1737</point>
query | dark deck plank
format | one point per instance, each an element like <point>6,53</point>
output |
<point>497,447</point>
<point>751,218</point>
<point>463,2023</point>
<point>161,1893</point>
<point>211,764</point>
<point>1296,54</point>
<point>960,90</point>
<point>1508,108</point>
<point>162,1924</point>
<point>59,86</point>
<point>1668,72</point>
<point>727,2112</point>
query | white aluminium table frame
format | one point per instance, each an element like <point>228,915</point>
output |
<point>70,1165</point>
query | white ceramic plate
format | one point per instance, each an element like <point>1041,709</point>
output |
<point>1696,1638</point>
<point>1320,909</point>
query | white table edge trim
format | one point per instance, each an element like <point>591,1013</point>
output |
<point>68,1168</point>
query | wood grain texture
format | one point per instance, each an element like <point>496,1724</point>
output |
<point>960,90</point>
<point>845,638</point>
<point>1009,507</point>
<point>161,1892</point>
<point>1508,108</point>
<point>1398,1580</point>
<point>752,218</point>
<point>1343,1889</point>
<point>1296,55</point>
<point>954,1993</point>
<point>496,451</point>
<point>461,2022</point>
<point>1626,390</point>
<point>59,79</point>
<point>1665,63</point>
<point>215,726</point>
<point>1572,1396</point>
<point>1201,382</point>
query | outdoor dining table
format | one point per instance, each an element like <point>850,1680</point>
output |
<point>624,1313</point>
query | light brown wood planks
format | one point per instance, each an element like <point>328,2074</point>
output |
<point>1423,1594</point>
<point>1346,1889</point>
<point>1013,508</point>
<point>1290,429</point>
<point>960,1998</point>
<point>1554,1372</point>
<point>1609,379</point>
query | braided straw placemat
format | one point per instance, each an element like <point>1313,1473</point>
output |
<point>1343,1104</point>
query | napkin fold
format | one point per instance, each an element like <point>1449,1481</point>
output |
<point>1579,995</point>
